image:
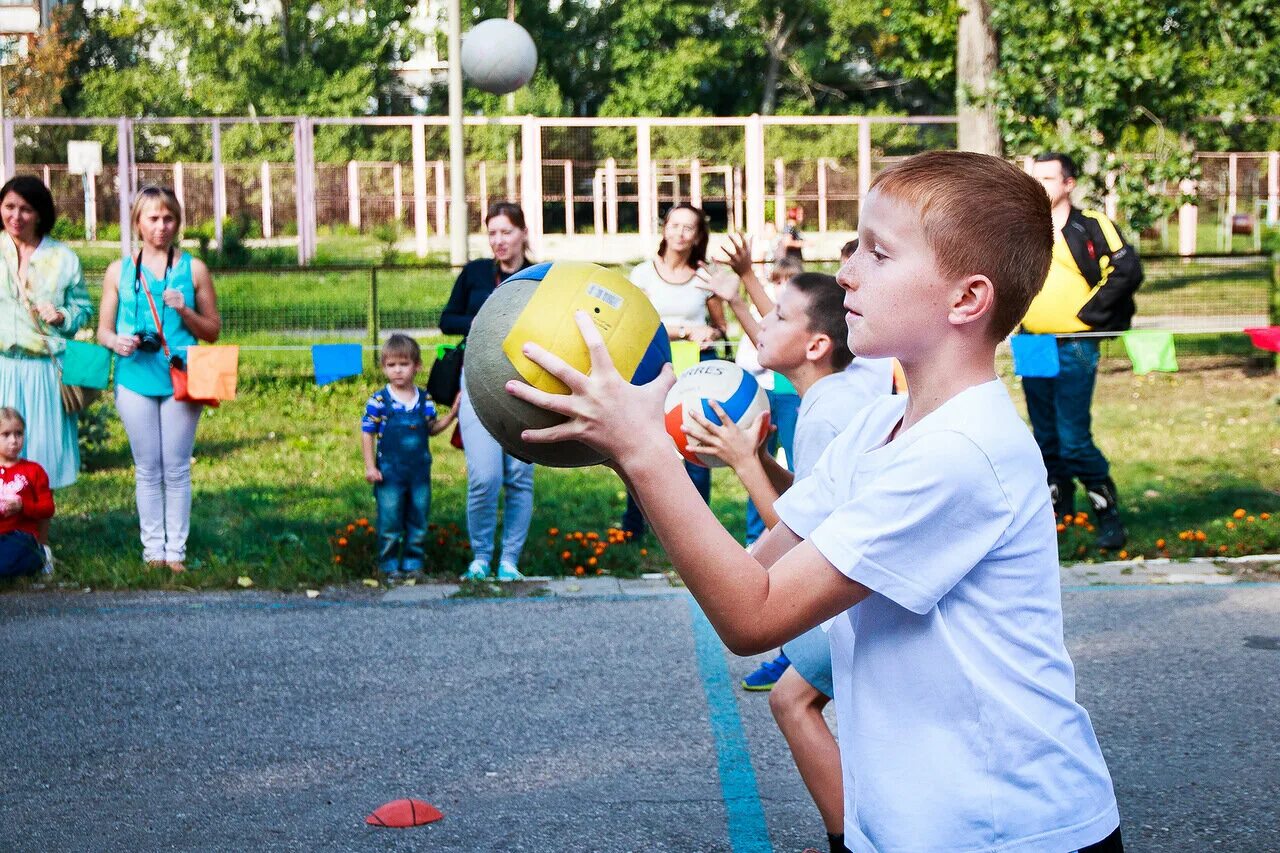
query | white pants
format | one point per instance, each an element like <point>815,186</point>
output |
<point>162,434</point>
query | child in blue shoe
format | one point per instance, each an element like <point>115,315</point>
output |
<point>925,531</point>
<point>398,421</point>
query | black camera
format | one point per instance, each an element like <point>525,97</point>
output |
<point>147,341</point>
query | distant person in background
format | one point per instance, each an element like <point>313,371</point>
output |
<point>790,243</point>
<point>490,469</point>
<point>43,302</point>
<point>159,297</point>
<point>26,503</point>
<point>688,312</point>
<point>1090,287</point>
<point>847,250</point>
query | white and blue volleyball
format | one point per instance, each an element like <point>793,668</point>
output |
<point>736,390</point>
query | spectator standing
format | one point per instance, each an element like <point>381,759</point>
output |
<point>1090,287</point>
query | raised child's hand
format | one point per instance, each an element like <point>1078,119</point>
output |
<point>726,441</point>
<point>738,253</point>
<point>603,410</point>
<point>718,281</point>
<point>372,475</point>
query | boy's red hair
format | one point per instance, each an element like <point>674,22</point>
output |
<point>981,216</point>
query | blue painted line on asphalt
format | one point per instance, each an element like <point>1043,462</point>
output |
<point>747,830</point>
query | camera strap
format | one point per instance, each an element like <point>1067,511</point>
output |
<point>155,315</point>
<point>137,282</point>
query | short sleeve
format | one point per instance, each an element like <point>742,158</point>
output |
<point>374,414</point>
<point>811,500</point>
<point>917,526</point>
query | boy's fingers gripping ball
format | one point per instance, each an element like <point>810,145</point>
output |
<point>538,305</point>
<point>740,397</point>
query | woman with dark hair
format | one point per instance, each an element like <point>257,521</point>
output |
<point>489,467</point>
<point>688,312</point>
<point>43,302</point>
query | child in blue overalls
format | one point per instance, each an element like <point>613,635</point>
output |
<point>400,418</point>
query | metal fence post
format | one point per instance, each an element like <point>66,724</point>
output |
<point>373,310</point>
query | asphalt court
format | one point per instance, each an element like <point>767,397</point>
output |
<point>597,723</point>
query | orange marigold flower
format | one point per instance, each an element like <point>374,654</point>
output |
<point>1089,527</point>
<point>553,530</point>
<point>363,522</point>
<point>1200,536</point>
<point>644,552</point>
<point>1222,549</point>
<point>1231,525</point>
<point>1068,519</point>
<point>593,535</point>
<point>338,559</point>
<point>351,528</point>
<point>592,561</point>
<point>1240,513</point>
<point>1159,543</point>
<point>564,555</point>
<point>579,570</point>
<point>1250,519</point>
<point>1266,516</point>
<point>1062,528</point>
<point>1124,555</point>
<point>343,541</point>
<point>599,571</point>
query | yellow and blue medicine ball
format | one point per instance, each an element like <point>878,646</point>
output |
<point>538,304</point>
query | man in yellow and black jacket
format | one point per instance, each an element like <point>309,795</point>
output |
<point>1092,278</point>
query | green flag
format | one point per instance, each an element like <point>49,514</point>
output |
<point>1150,350</point>
<point>85,364</point>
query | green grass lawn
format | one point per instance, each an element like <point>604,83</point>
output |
<point>278,478</point>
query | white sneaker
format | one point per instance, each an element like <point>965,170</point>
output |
<point>47,553</point>
<point>507,571</point>
<point>477,571</point>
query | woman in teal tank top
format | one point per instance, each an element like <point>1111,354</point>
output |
<point>160,295</point>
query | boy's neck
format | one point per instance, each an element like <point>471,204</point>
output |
<point>6,462</point>
<point>409,390</point>
<point>935,377</point>
<point>806,375</point>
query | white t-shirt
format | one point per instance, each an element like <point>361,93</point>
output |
<point>830,403</point>
<point>681,303</point>
<point>955,696</point>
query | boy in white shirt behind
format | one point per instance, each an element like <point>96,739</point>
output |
<point>925,530</point>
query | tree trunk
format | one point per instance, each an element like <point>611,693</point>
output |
<point>976,58</point>
<point>770,100</point>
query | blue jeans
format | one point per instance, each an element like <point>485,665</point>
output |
<point>1060,416</point>
<point>20,554</point>
<point>489,470</point>
<point>784,411</point>
<point>403,510</point>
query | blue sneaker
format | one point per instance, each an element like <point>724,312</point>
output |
<point>767,674</point>
<point>507,571</point>
<point>477,571</point>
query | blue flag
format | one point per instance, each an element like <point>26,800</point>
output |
<point>336,361</point>
<point>1035,356</point>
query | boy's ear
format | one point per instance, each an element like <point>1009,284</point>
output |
<point>973,298</point>
<point>819,348</point>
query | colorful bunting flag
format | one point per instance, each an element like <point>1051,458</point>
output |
<point>1035,356</point>
<point>336,361</point>
<point>684,354</point>
<point>1150,350</point>
<point>87,365</point>
<point>1265,337</point>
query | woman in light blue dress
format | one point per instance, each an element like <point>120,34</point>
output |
<point>43,302</point>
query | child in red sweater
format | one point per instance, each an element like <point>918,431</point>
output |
<point>25,500</point>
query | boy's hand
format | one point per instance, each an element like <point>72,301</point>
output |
<point>726,441</point>
<point>718,281</point>
<point>603,410</point>
<point>738,254</point>
<point>372,475</point>
<point>10,506</point>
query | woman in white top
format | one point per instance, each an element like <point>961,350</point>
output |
<point>688,312</point>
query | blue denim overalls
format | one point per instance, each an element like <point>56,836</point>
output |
<point>404,495</point>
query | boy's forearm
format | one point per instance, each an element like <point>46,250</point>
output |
<point>756,291</point>
<point>366,450</point>
<point>780,478</point>
<point>760,489</point>
<point>750,327</point>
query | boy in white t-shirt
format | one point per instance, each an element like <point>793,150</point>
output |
<point>804,339</point>
<point>925,530</point>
